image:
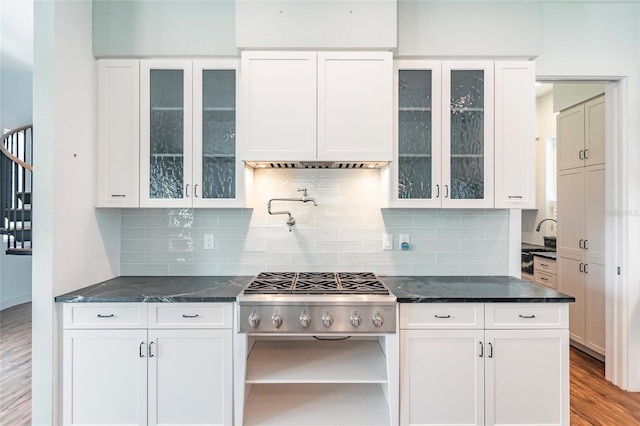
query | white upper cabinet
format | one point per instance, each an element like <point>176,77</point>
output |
<point>581,129</point>
<point>306,106</point>
<point>187,139</point>
<point>118,133</point>
<point>515,105</point>
<point>444,135</point>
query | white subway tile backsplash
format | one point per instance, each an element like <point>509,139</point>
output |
<point>343,233</point>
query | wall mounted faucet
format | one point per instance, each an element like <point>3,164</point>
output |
<point>544,220</point>
<point>304,199</point>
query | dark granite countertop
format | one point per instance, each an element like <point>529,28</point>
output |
<point>407,289</point>
<point>546,254</point>
<point>160,289</point>
<point>480,289</point>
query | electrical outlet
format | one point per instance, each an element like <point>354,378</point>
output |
<point>208,241</point>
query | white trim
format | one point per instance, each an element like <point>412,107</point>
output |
<point>620,295</point>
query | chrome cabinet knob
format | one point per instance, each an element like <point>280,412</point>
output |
<point>305,320</point>
<point>355,320</point>
<point>327,320</point>
<point>378,320</point>
<point>254,320</point>
<point>276,320</point>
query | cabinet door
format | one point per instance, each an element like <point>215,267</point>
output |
<point>571,213</point>
<point>467,134</point>
<point>515,112</point>
<point>190,380</point>
<point>594,112</point>
<point>571,278</point>
<point>355,106</point>
<point>594,212</point>
<point>277,119</point>
<point>165,134</point>
<point>118,133</point>
<point>595,303</point>
<point>416,172</point>
<point>441,375</point>
<point>571,133</point>
<point>218,174</point>
<point>527,377</point>
<point>105,377</point>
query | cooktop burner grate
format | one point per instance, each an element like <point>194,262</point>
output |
<point>316,283</point>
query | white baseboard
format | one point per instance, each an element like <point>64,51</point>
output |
<point>4,304</point>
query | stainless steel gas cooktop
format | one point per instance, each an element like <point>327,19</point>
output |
<point>317,303</point>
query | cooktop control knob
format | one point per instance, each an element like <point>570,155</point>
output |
<point>355,320</point>
<point>378,320</point>
<point>305,320</point>
<point>254,320</point>
<point>327,320</point>
<point>276,320</point>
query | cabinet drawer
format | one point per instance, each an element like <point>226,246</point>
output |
<point>104,315</point>
<point>526,315</point>
<point>190,315</point>
<point>441,315</point>
<point>545,265</point>
<point>545,279</point>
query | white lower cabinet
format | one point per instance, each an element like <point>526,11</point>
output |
<point>141,375</point>
<point>508,367</point>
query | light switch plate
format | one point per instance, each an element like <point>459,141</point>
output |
<point>387,241</point>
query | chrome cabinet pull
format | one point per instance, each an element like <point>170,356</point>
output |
<point>581,243</point>
<point>186,190</point>
<point>581,267</point>
<point>151,355</point>
<point>585,154</point>
<point>527,316</point>
<point>140,350</point>
<point>442,316</point>
<point>118,195</point>
<point>543,279</point>
<point>105,316</point>
<point>481,349</point>
<point>195,190</point>
<point>446,191</point>
<point>543,264</point>
<point>437,191</point>
<point>490,350</point>
<point>586,268</point>
<point>581,154</point>
<point>586,244</point>
<point>515,196</point>
<point>189,316</point>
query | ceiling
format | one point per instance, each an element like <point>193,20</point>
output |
<point>16,35</point>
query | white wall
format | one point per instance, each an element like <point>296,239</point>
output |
<point>569,94</point>
<point>16,94</point>
<point>15,279</point>
<point>76,244</point>
<point>164,28</point>
<point>545,128</point>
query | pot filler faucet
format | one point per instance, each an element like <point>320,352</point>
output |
<point>304,199</point>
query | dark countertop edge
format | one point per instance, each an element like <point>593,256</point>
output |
<point>551,255</point>
<point>485,300</point>
<point>143,299</point>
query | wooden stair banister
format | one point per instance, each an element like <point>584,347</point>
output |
<point>16,173</point>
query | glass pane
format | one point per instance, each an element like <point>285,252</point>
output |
<point>467,134</point>
<point>414,134</point>
<point>166,134</point>
<point>219,134</point>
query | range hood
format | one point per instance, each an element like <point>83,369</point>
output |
<point>316,164</point>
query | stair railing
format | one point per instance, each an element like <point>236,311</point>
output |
<point>16,156</point>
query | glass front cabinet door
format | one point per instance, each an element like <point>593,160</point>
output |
<point>187,138</point>
<point>444,135</point>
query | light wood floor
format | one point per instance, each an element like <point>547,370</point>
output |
<point>594,401</point>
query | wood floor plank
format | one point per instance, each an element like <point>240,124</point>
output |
<point>594,401</point>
